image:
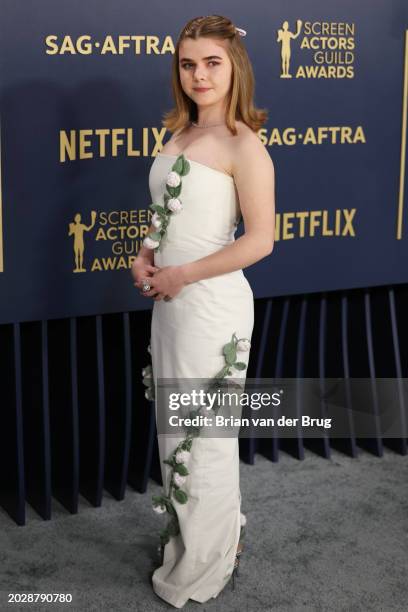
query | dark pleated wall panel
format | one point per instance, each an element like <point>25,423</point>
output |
<point>398,444</point>
<point>362,365</point>
<point>36,422</point>
<point>334,349</point>
<point>387,364</point>
<point>400,303</point>
<point>91,408</point>
<point>74,418</point>
<point>289,363</point>
<point>314,309</point>
<point>63,410</point>
<point>118,401</point>
<point>12,482</point>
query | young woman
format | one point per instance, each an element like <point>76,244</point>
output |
<point>212,172</point>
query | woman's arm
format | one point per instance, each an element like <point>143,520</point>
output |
<point>144,252</point>
<point>254,176</point>
<point>143,264</point>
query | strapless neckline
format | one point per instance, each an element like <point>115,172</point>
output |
<point>192,161</point>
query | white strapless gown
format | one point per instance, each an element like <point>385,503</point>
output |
<point>187,336</point>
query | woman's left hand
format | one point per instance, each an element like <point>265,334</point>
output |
<point>167,282</point>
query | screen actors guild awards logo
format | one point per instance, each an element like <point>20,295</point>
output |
<point>285,37</point>
<point>325,50</point>
<point>77,230</point>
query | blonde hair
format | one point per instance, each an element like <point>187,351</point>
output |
<point>240,106</point>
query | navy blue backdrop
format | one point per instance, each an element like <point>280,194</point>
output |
<point>83,87</point>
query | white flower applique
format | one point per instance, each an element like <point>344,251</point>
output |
<point>179,458</point>
<point>156,221</point>
<point>148,379</point>
<point>172,205</point>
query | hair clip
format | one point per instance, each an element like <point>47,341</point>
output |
<point>240,31</point>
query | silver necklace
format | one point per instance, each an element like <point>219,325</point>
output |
<point>206,126</point>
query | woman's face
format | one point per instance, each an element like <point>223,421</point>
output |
<point>204,63</point>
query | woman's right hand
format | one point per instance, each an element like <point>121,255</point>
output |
<point>142,268</point>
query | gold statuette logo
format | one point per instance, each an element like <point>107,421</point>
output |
<point>285,37</point>
<point>77,230</point>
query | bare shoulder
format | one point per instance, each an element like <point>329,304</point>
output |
<point>248,151</point>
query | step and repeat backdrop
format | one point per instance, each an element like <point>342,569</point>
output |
<point>83,86</point>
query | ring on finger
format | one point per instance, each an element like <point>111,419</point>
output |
<point>146,286</point>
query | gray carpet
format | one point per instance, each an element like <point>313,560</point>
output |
<point>322,535</point>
